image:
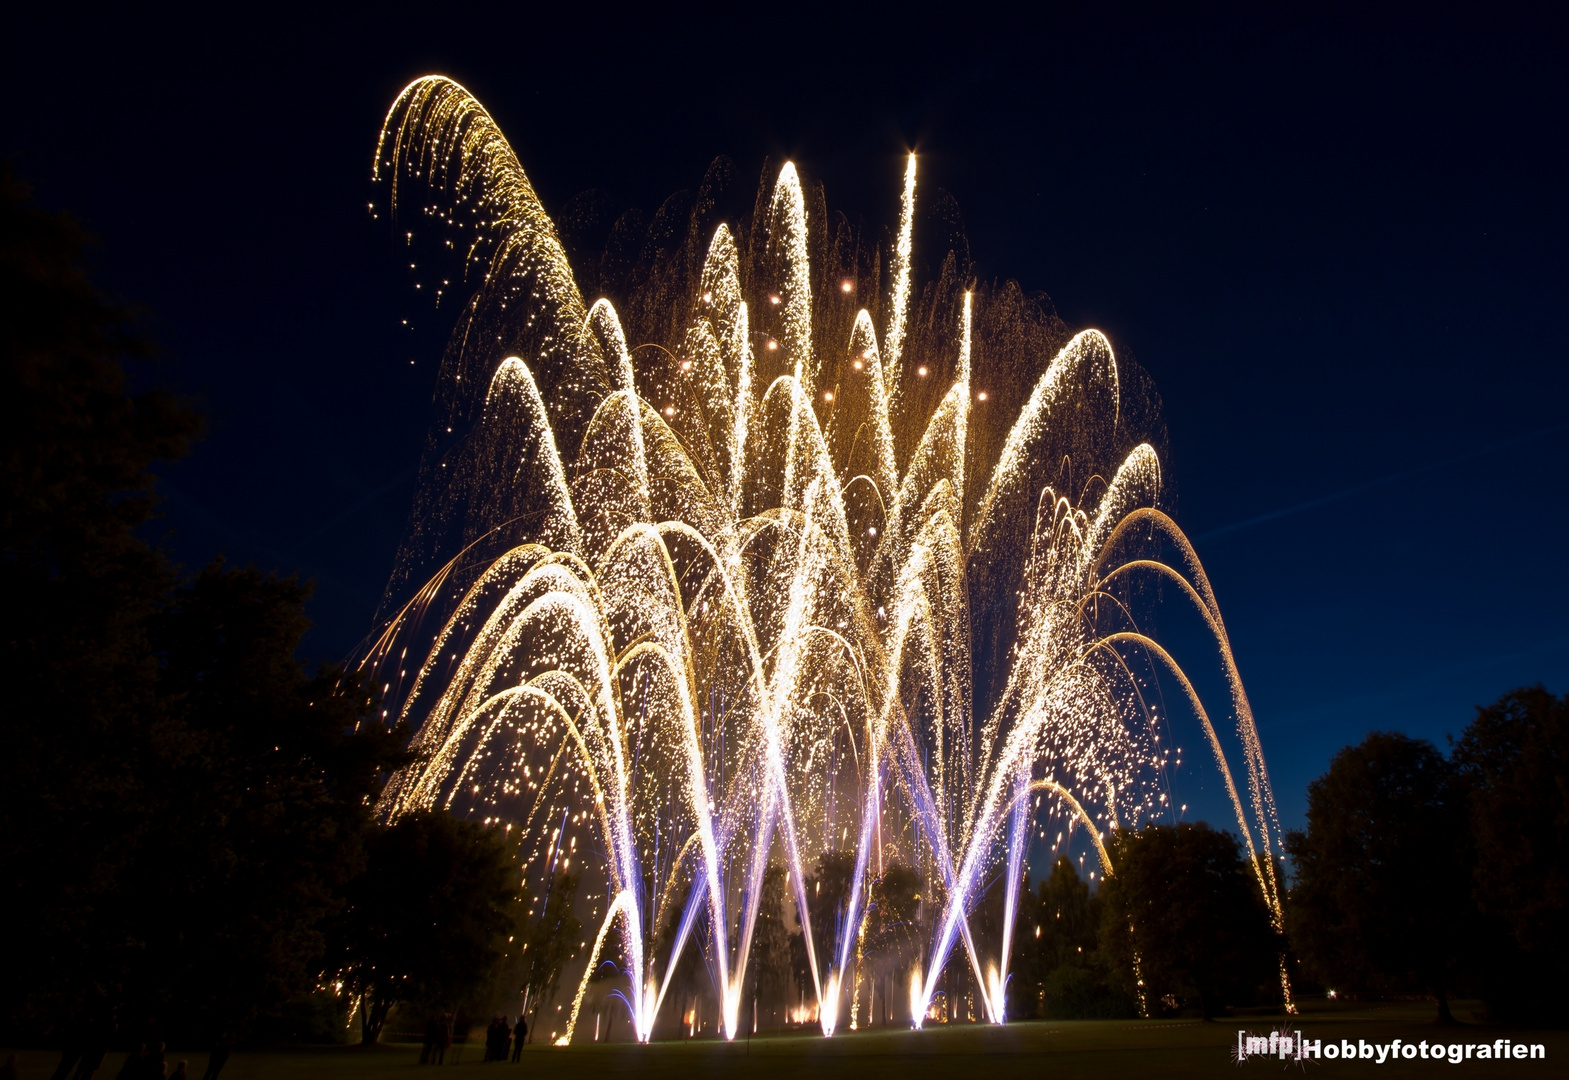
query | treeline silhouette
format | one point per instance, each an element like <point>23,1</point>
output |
<point>1421,873</point>
<point>188,851</point>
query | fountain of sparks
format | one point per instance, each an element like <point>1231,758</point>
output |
<point>783,557</point>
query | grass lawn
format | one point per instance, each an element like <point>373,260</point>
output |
<point>1058,1050</point>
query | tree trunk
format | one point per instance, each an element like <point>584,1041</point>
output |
<point>68,1059</point>
<point>373,1016</point>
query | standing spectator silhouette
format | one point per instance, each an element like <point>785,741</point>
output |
<point>155,1067</point>
<point>427,1050</point>
<point>8,1070</point>
<point>179,1072</point>
<point>216,1061</point>
<point>443,1038</point>
<point>70,1054</point>
<point>517,1039</point>
<point>132,1068</point>
<point>92,1058</point>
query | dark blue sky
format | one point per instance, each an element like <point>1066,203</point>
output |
<point>1337,242</point>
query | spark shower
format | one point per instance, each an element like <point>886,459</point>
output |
<point>784,553</point>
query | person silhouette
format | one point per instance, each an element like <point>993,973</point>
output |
<point>92,1059</point>
<point>69,1056</point>
<point>132,1067</point>
<point>427,1049</point>
<point>216,1061</point>
<point>492,1036</point>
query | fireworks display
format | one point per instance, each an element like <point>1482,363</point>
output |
<point>781,553</point>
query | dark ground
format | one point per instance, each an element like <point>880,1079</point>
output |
<point>1061,1050</point>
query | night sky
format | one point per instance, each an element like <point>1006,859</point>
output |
<point>1338,244</point>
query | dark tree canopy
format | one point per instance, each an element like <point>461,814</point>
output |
<point>768,972</point>
<point>1380,898</point>
<point>195,898</point>
<point>263,801</point>
<point>180,801</point>
<point>1058,969</point>
<point>429,919</point>
<point>77,442</point>
<point>553,939</point>
<point>1189,906</point>
<point>1072,973</point>
<point>79,590</point>
<point>1069,917</point>
<point>894,933</point>
<point>827,895</point>
<point>1512,766</point>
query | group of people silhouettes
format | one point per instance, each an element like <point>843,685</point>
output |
<point>499,1040</point>
<point>146,1062</point>
<point>499,1036</point>
<point>438,1039</point>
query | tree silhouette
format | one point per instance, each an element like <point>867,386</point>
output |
<point>427,922</point>
<point>827,891</point>
<point>768,970</point>
<point>552,941</point>
<point>180,801</point>
<point>1070,971</point>
<point>1185,909</point>
<point>1512,764</point>
<point>79,588</point>
<point>1069,917</point>
<point>1380,900</point>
